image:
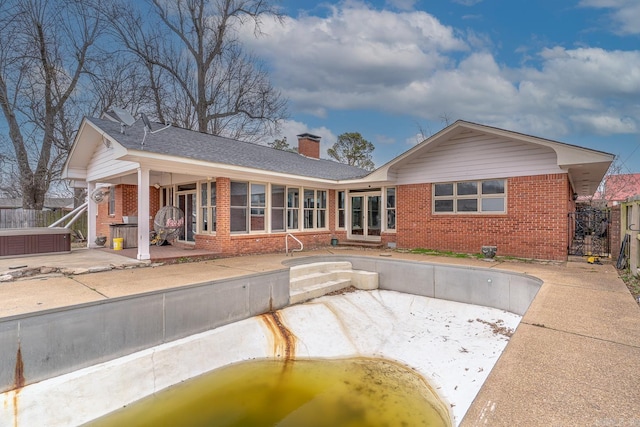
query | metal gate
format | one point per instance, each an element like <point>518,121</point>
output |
<point>589,232</point>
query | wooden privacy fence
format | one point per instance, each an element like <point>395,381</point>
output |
<point>26,218</point>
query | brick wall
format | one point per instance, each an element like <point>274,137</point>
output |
<point>261,243</point>
<point>535,225</point>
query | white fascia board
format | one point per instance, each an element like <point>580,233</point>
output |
<point>189,166</point>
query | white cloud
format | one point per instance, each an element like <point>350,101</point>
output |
<point>625,14</point>
<point>354,52</point>
<point>401,4</point>
<point>409,64</point>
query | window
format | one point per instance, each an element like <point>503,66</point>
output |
<point>487,196</point>
<point>309,208</point>
<point>277,208</point>
<point>293,205</point>
<point>208,207</point>
<point>258,203</point>
<point>341,208</point>
<point>239,206</point>
<point>391,208</point>
<point>321,209</point>
<point>112,200</point>
<point>314,208</point>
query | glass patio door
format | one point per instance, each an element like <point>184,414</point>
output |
<point>365,216</point>
<point>187,204</point>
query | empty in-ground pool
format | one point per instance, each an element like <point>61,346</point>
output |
<point>312,393</point>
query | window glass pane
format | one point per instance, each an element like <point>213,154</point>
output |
<point>238,220</point>
<point>391,197</point>
<point>467,205</point>
<point>204,222</point>
<point>391,219</point>
<point>467,188</point>
<point>308,218</point>
<point>213,194</point>
<point>277,219</point>
<point>444,205</point>
<point>277,196</point>
<point>493,205</point>
<point>204,200</point>
<point>340,199</point>
<point>444,189</point>
<point>493,187</point>
<point>321,219</point>
<point>341,218</point>
<point>292,219</point>
<point>213,218</point>
<point>293,197</point>
<point>238,193</point>
<point>257,195</point>
<point>308,198</point>
<point>322,199</point>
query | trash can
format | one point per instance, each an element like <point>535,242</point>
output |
<point>334,242</point>
<point>118,243</point>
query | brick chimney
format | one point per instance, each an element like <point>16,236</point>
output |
<point>309,145</point>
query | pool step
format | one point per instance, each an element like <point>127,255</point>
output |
<point>310,281</point>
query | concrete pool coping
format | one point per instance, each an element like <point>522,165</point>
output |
<point>572,361</point>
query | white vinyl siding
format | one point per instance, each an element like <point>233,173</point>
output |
<point>475,156</point>
<point>104,164</point>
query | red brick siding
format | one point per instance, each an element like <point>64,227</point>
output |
<point>535,225</point>
<point>261,243</point>
<point>308,147</point>
<point>126,205</point>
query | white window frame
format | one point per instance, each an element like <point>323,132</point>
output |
<point>343,209</point>
<point>388,209</point>
<point>479,196</point>
<point>210,208</point>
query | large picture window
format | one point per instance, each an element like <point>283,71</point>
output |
<point>486,196</point>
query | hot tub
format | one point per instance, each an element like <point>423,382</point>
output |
<point>28,241</point>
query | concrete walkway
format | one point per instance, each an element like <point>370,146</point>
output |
<point>572,361</point>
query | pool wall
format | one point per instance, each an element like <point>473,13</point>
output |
<point>505,290</point>
<point>51,343</point>
<point>42,345</point>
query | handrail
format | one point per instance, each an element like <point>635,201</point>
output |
<point>286,244</point>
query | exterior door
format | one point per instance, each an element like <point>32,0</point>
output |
<point>187,204</point>
<point>365,216</point>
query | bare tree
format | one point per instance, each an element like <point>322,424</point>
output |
<point>201,77</point>
<point>45,46</point>
<point>352,149</point>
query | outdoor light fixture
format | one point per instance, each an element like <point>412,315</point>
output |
<point>575,196</point>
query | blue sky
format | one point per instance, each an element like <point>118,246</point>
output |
<point>566,70</point>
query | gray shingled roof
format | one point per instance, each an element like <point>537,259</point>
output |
<point>189,144</point>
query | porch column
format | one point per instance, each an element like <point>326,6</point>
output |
<point>143,213</point>
<point>92,216</point>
